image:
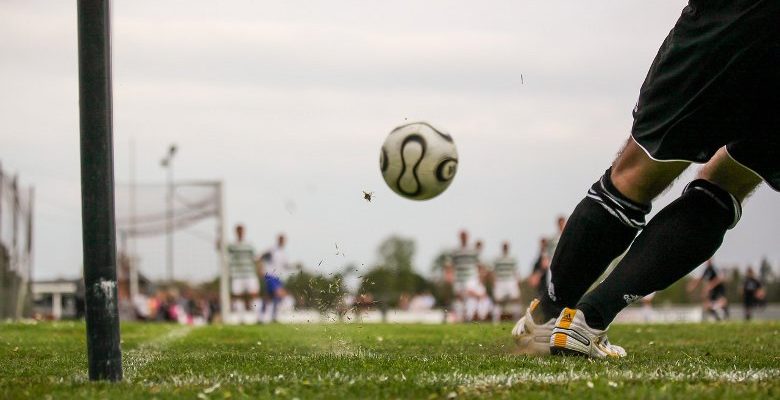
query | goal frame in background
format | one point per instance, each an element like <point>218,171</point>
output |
<point>17,208</point>
<point>133,225</point>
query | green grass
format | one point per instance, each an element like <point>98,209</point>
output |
<point>733,360</point>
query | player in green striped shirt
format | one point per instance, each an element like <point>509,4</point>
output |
<point>506,290</point>
<point>244,284</point>
<point>468,287</point>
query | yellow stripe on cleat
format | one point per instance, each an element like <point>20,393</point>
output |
<point>559,340</point>
<point>534,304</point>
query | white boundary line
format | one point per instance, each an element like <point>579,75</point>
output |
<point>533,375</point>
<point>136,359</point>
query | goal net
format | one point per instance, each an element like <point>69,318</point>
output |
<point>190,215</point>
<point>16,241</point>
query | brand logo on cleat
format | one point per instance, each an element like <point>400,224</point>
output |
<point>631,298</point>
<point>566,317</point>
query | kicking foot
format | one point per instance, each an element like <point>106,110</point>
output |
<point>573,336</point>
<point>531,338</point>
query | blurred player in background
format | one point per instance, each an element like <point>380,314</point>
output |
<point>752,293</point>
<point>648,313</point>
<point>506,291</point>
<point>710,97</point>
<point>244,284</point>
<point>714,299</point>
<point>552,244</point>
<point>277,270</point>
<point>467,286</point>
<point>484,302</point>
<point>538,278</point>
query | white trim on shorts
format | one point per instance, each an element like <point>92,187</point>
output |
<point>658,159</point>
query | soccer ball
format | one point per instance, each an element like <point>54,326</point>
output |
<point>418,161</point>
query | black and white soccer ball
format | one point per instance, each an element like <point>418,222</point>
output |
<point>418,161</point>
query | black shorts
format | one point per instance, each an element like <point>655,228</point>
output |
<point>717,292</point>
<point>716,82</point>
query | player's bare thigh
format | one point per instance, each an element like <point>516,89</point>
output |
<point>730,175</point>
<point>639,177</point>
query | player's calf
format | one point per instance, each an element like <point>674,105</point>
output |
<point>601,227</point>
<point>683,235</point>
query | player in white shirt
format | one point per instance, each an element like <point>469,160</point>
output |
<point>244,284</point>
<point>506,290</point>
<point>277,270</point>
<point>467,286</point>
<point>484,302</point>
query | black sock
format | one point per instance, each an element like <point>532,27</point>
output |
<point>601,228</point>
<point>682,236</point>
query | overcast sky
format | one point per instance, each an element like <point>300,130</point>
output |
<point>288,103</point>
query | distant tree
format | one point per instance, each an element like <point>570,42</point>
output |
<point>677,293</point>
<point>394,273</point>
<point>441,289</point>
<point>396,253</point>
<point>324,293</point>
<point>438,261</point>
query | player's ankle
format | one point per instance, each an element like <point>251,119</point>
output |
<point>593,317</point>
<point>545,311</point>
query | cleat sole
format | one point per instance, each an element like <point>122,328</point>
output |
<point>562,351</point>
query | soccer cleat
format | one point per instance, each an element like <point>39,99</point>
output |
<point>573,336</point>
<point>531,338</point>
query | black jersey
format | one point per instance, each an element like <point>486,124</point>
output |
<point>750,287</point>
<point>709,275</point>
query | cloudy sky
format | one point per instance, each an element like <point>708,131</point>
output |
<point>288,103</point>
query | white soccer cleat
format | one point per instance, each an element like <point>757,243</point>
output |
<point>573,336</point>
<point>531,338</point>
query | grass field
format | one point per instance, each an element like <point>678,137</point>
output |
<point>733,360</point>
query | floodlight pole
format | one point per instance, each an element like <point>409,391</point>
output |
<point>97,190</point>
<point>167,163</point>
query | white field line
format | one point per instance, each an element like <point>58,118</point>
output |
<point>487,381</point>
<point>136,359</point>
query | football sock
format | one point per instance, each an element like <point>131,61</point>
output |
<point>683,235</point>
<point>601,228</point>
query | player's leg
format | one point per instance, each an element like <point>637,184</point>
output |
<point>683,235</point>
<point>514,301</point>
<point>603,225</point>
<point>499,301</point>
<point>256,305</point>
<point>237,295</point>
<point>276,297</point>
<point>459,301</point>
